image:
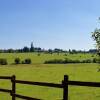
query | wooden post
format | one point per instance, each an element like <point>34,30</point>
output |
<point>65,87</point>
<point>13,87</point>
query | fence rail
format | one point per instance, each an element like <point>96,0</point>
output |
<point>64,85</point>
<point>40,83</point>
<point>5,90</point>
<point>25,97</point>
<point>89,84</point>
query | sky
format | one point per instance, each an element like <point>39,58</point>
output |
<point>65,24</point>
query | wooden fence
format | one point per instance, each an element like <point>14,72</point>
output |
<point>63,85</point>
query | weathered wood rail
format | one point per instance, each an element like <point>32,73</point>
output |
<point>64,85</point>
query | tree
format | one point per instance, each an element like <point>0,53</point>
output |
<point>96,37</point>
<point>74,51</point>
<point>26,49</point>
<point>32,47</point>
<point>50,51</point>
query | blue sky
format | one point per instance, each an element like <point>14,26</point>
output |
<point>65,24</point>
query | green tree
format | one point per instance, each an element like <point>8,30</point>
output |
<point>26,49</point>
<point>96,37</point>
<point>32,47</point>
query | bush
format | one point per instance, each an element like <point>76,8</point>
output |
<point>71,61</point>
<point>60,61</point>
<point>87,61</point>
<point>38,54</point>
<point>76,61</point>
<point>54,61</point>
<point>95,60</point>
<point>27,61</point>
<point>17,60</point>
<point>23,62</point>
<point>92,56</point>
<point>65,54</point>
<point>3,61</point>
<point>67,60</point>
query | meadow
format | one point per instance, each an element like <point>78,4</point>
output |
<point>36,59</point>
<point>37,71</point>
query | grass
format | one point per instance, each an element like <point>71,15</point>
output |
<point>50,73</point>
<point>43,57</point>
<point>53,73</point>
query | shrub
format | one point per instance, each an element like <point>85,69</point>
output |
<point>54,61</point>
<point>23,62</point>
<point>95,60</point>
<point>71,61</point>
<point>60,61</point>
<point>38,54</point>
<point>3,61</point>
<point>17,60</point>
<point>27,61</point>
<point>65,54</point>
<point>67,60</point>
<point>87,61</point>
<point>92,56</point>
<point>76,61</point>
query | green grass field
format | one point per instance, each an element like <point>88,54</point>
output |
<point>50,73</point>
<point>43,57</point>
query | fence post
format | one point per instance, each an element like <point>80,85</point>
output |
<point>13,87</point>
<point>65,87</point>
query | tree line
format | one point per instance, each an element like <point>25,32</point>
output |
<point>26,49</point>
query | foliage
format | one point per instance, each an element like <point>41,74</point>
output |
<point>32,47</point>
<point>95,60</point>
<point>54,61</point>
<point>87,61</point>
<point>26,49</point>
<point>27,61</point>
<point>96,37</point>
<point>67,60</point>
<point>3,61</point>
<point>17,60</point>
